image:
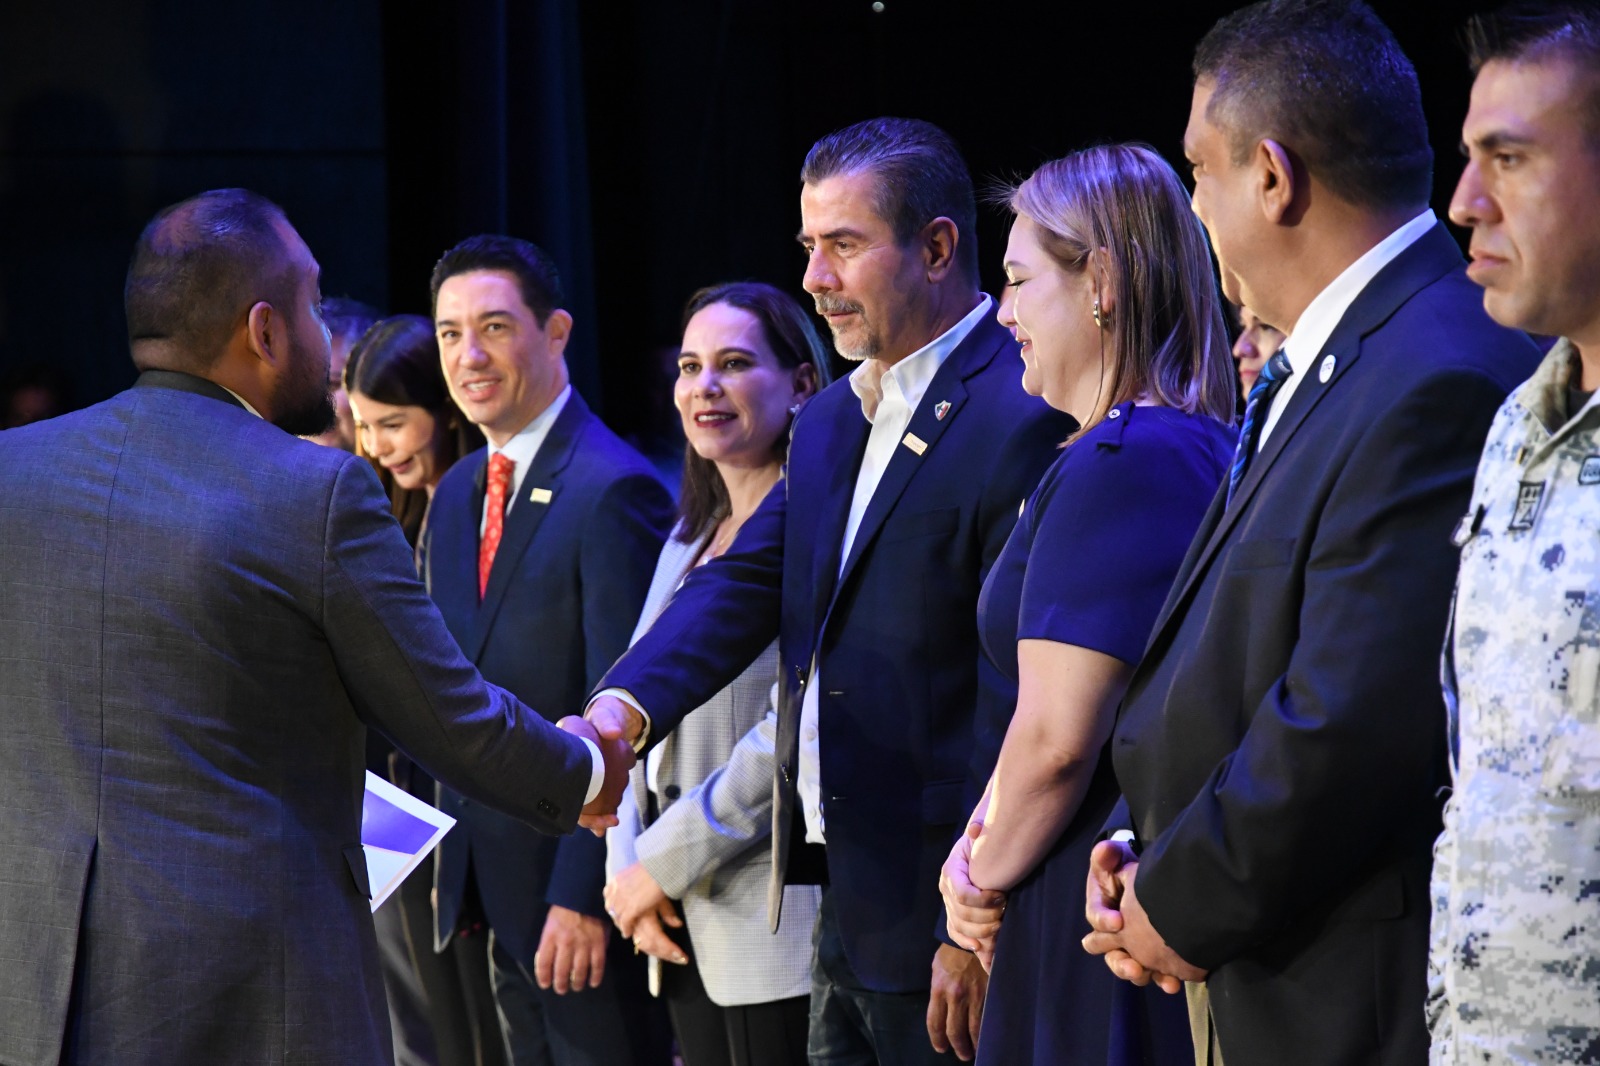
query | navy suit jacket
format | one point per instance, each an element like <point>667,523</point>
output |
<point>1282,744</point>
<point>895,635</point>
<point>564,594</point>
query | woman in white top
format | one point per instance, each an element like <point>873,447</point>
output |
<point>690,862</point>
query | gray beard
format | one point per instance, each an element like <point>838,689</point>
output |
<point>868,349</point>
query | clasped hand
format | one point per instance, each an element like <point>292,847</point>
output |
<point>600,813</point>
<point>972,914</point>
<point>640,908</point>
<point>1122,932</point>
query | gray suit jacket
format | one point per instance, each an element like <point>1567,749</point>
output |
<point>707,848</point>
<point>197,614</point>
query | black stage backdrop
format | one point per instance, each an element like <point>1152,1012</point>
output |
<point>652,146</point>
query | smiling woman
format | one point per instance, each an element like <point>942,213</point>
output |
<point>695,830</point>
<point>749,358</point>
<point>1111,298</point>
<point>405,421</point>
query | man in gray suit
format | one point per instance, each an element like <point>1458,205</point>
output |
<point>198,612</point>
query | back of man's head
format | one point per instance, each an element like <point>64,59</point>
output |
<point>535,271</point>
<point>1538,33</point>
<point>1328,81</point>
<point>919,172</point>
<point>347,319</point>
<point>197,269</point>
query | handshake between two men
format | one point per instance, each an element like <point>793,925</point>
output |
<point>612,726</point>
<point>1120,929</point>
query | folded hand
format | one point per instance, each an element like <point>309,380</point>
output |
<point>973,914</point>
<point>650,938</point>
<point>632,894</point>
<point>1133,950</point>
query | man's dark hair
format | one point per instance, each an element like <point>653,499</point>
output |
<point>199,266</point>
<point>1328,81</point>
<point>920,177</point>
<point>1535,32</point>
<point>533,268</point>
<point>347,318</point>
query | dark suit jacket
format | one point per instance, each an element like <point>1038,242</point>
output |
<point>896,635</point>
<point>564,593</point>
<point>197,613</point>
<point>1281,744</point>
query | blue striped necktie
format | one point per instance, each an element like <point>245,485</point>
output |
<point>1273,375</point>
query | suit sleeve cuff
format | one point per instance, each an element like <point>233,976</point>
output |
<point>597,776</point>
<point>627,697</point>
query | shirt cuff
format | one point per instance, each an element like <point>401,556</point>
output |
<point>597,776</point>
<point>627,697</point>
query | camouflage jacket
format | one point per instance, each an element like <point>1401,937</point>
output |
<point>1514,966</point>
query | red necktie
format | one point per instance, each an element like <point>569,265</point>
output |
<point>500,469</point>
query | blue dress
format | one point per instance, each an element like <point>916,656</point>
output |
<point>1089,563</point>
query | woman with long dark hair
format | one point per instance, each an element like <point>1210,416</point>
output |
<point>405,421</point>
<point>689,862</point>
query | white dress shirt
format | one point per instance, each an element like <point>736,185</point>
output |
<point>1304,344</point>
<point>522,450</point>
<point>902,387</point>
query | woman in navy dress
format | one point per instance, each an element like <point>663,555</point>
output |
<point>1111,295</point>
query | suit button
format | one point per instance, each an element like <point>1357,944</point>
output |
<point>548,809</point>
<point>672,792</point>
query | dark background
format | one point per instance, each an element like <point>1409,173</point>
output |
<point>652,146</point>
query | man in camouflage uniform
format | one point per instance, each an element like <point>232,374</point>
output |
<point>1515,960</point>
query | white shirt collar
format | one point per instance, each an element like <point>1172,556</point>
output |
<point>522,448</point>
<point>1322,314</point>
<point>908,380</point>
<point>242,401</point>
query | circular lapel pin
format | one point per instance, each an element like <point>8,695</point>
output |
<point>1325,371</point>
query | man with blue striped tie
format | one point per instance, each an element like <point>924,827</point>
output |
<point>1280,745</point>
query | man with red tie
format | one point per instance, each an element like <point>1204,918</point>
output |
<point>540,551</point>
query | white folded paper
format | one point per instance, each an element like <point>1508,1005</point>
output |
<point>397,833</point>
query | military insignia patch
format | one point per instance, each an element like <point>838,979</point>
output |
<point>1529,493</point>
<point>1589,472</point>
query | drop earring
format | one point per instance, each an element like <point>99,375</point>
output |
<point>1097,315</point>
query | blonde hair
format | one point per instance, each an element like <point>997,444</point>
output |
<point>1167,341</point>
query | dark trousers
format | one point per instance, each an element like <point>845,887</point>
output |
<point>461,1000</point>
<point>409,1020</point>
<point>616,1024</point>
<point>755,1034</point>
<point>852,1025</point>
<point>457,1000</point>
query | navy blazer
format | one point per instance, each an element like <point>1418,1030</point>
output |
<point>895,634</point>
<point>1282,744</point>
<point>568,580</point>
